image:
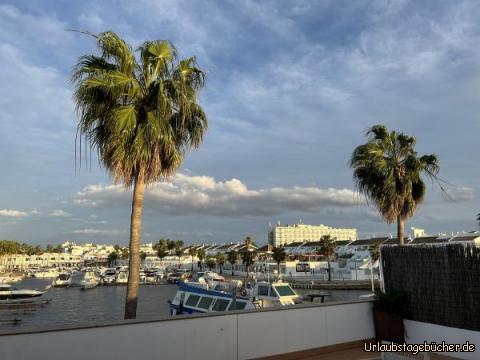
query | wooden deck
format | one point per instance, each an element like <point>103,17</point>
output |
<point>347,351</point>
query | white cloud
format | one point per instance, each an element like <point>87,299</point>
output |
<point>13,213</point>
<point>59,213</point>
<point>90,231</point>
<point>205,195</point>
<point>462,193</point>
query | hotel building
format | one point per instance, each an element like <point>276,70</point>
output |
<point>280,235</point>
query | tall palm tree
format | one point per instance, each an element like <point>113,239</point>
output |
<point>389,172</point>
<point>232,257</point>
<point>327,249</point>
<point>279,255</point>
<point>141,115</point>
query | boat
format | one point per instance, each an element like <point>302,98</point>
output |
<point>9,293</point>
<point>90,280</point>
<point>109,276</point>
<point>200,297</point>
<point>62,280</point>
<point>10,279</point>
<point>122,277</point>
<point>45,274</point>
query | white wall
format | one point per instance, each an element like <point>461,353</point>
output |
<point>230,336</point>
<point>417,332</point>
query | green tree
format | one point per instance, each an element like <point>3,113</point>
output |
<point>141,115</point>
<point>112,258</point>
<point>201,254</point>
<point>124,254</point>
<point>49,248</point>
<point>327,249</point>
<point>143,256</point>
<point>248,257</point>
<point>279,255</point>
<point>193,252</point>
<point>210,262</point>
<point>178,252</point>
<point>375,251</point>
<point>232,258</point>
<point>388,171</point>
<point>220,258</point>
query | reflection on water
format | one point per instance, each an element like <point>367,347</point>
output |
<point>106,303</point>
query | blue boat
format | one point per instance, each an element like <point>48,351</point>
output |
<point>201,298</point>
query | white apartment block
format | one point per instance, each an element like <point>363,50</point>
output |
<point>280,235</point>
<point>24,262</point>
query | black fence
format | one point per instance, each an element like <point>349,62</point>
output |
<point>442,283</point>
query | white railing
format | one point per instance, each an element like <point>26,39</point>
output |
<point>235,335</point>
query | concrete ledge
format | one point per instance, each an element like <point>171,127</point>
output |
<point>52,328</point>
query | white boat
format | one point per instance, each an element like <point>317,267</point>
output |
<point>46,274</point>
<point>199,297</point>
<point>109,276</point>
<point>9,293</point>
<point>122,277</point>
<point>62,280</point>
<point>90,280</point>
<point>10,279</point>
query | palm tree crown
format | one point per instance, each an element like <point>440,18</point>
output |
<point>389,172</point>
<point>140,115</point>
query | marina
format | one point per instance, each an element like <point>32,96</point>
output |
<point>67,306</point>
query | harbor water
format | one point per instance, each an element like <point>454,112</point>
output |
<point>69,306</point>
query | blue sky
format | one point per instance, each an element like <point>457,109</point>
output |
<point>291,88</point>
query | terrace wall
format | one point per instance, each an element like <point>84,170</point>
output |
<point>230,335</point>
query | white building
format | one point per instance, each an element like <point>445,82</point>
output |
<point>280,235</point>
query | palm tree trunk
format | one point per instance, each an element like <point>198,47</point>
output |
<point>400,226</point>
<point>329,270</point>
<point>134,258</point>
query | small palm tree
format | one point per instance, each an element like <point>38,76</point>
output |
<point>220,258</point>
<point>279,255</point>
<point>389,172</point>
<point>210,262</point>
<point>375,251</point>
<point>141,115</point>
<point>232,258</point>
<point>327,249</point>
<point>248,258</point>
<point>193,252</point>
<point>112,258</point>
<point>201,254</point>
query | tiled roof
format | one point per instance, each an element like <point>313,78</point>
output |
<point>465,238</point>
<point>394,241</point>
<point>368,242</point>
<point>428,240</point>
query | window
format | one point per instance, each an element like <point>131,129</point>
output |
<point>239,305</point>
<point>284,290</point>
<point>192,300</point>
<point>205,302</point>
<point>220,305</point>
<point>263,290</point>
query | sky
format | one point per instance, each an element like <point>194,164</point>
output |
<point>291,88</point>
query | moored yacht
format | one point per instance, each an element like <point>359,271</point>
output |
<point>7,293</point>
<point>45,274</point>
<point>62,280</point>
<point>201,297</point>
